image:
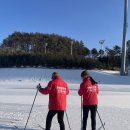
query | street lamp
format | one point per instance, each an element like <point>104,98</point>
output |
<point>123,55</point>
<point>101,42</point>
<point>71,49</point>
<point>45,47</point>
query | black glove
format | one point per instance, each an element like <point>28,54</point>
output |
<point>39,86</point>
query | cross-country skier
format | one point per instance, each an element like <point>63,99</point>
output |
<point>57,89</point>
<point>89,90</point>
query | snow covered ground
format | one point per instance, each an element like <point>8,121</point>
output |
<point>18,88</point>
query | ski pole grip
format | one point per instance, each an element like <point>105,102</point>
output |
<point>39,86</point>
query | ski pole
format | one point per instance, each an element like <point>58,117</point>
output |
<point>100,120</point>
<point>67,120</point>
<point>31,109</point>
<point>81,114</point>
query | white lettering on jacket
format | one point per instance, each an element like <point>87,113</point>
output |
<point>91,89</point>
<point>61,89</point>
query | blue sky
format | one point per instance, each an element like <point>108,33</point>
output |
<point>86,20</point>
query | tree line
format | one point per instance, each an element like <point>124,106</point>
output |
<point>52,50</point>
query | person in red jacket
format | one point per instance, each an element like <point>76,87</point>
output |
<point>88,90</point>
<point>57,89</point>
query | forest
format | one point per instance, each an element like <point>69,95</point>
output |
<point>22,49</point>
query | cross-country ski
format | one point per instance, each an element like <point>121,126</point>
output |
<point>101,127</point>
<point>16,98</point>
<point>64,65</point>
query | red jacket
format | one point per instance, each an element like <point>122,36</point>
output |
<point>57,90</point>
<point>89,92</point>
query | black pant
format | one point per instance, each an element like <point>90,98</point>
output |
<point>93,110</point>
<point>60,116</point>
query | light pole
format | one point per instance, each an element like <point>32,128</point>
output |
<point>101,42</point>
<point>45,47</point>
<point>71,49</point>
<point>123,55</point>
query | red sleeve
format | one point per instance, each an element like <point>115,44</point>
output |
<point>80,91</point>
<point>67,90</point>
<point>46,90</point>
<point>97,88</point>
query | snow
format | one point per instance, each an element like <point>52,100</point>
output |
<point>18,88</point>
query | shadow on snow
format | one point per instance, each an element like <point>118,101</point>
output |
<point>13,128</point>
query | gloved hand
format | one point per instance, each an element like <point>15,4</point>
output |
<point>39,86</point>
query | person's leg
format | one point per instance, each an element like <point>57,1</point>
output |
<point>50,115</point>
<point>60,116</point>
<point>93,110</point>
<point>85,116</point>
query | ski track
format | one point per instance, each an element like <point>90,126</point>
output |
<point>17,93</point>
<point>113,117</point>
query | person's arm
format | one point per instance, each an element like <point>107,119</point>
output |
<point>46,90</point>
<point>97,88</point>
<point>80,91</point>
<point>67,90</point>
